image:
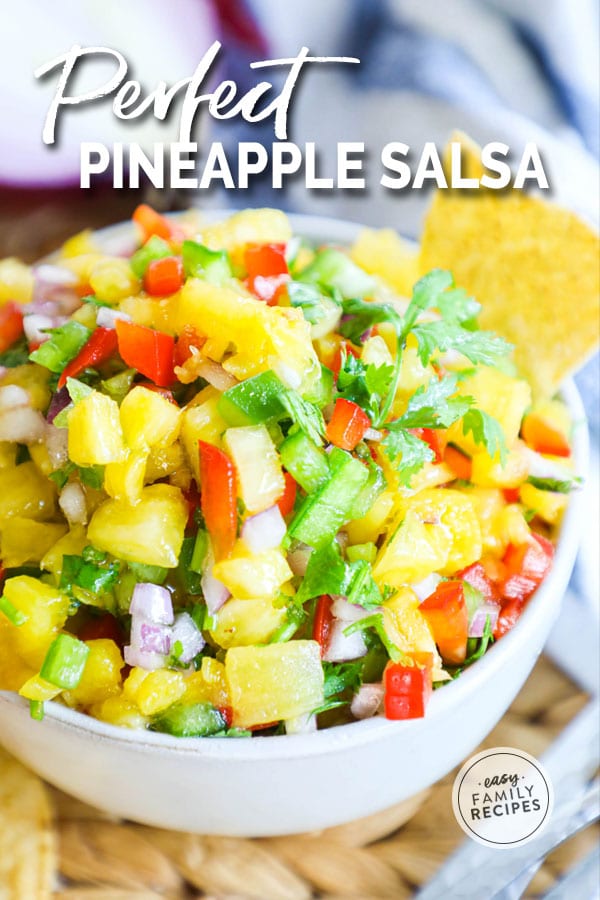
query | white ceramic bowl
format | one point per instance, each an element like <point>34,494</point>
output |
<point>288,784</point>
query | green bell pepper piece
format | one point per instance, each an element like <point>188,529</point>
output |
<point>306,463</point>
<point>322,392</point>
<point>196,720</point>
<point>253,401</point>
<point>334,269</point>
<point>210,265</point>
<point>154,248</point>
<point>63,345</point>
<point>65,662</point>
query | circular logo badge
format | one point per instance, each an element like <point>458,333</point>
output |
<point>502,797</point>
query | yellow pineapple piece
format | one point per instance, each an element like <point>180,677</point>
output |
<point>82,265</point>
<point>39,690</point>
<point>14,672</point>
<point>158,690</point>
<point>209,685</point>
<point>249,575</point>
<point>8,454</point>
<point>201,422</point>
<point>244,622</point>
<point>45,609</point>
<point>119,711</point>
<point>488,472</point>
<point>16,281</point>
<point>112,279</point>
<point>406,625</point>
<point>70,544</point>
<point>249,226</point>
<point>489,504</point>
<point>125,480</point>
<point>278,681</point>
<point>164,461</point>
<point>153,312</point>
<point>95,434</point>
<point>25,492</point>
<point>548,505</point>
<point>513,525</point>
<point>454,512</point>
<point>414,550</point>
<point>148,419</point>
<point>101,677</point>
<point>368,529</point>
<point>33,379</point>
<point>27,541</point>
<point>498,394</point>
<point>375,352</point>
<point>260,477</point>
<point>80,243</point>
<point>150,532</point>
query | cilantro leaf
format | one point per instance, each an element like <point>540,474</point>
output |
<point>375,622</point>
<point>365,385</point>
<point>93,577</point>
<point>328,573</point>
<point>91,476</point>
<point>361,588</point>
<point>16,355</point>
<point>413,452</point>
<point>305,415</point>
<point>341,677</point>
<point>360,315</point>
<point>432,405</point>
<point>308,298</point>
<point>554,484</point>
<point>477,647</point>
<point>487,431</point>
<point>455,305</point>
<point>478,346</point>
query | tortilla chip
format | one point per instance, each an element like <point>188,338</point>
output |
<point>385,254</point>
<point>534,268</point>
<point>27,846</point>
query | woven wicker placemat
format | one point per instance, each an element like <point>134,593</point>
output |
<point>386,855</point>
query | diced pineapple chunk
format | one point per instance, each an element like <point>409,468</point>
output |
<point>209,685</point>
<point>264,337</point>
<point>13,671</point>
<point>368,529</point>
<point>112,279</point>
<point>548,505</point>
<point>156,691</point>
<point>406,625</point>
<point>24,491</point>
<point>148,419</point>
<point>26,541</point>
<point>249,226</point>
<point>70,544</point>
<point>82,242</point>
<point>95,434</point>
<point>125,480</point>
<point>513,525</point>
<point>119,711</point>
<point>101,677</point>
<point>16,281</point>
<point>150,532</point>
<point>489,504</point>
<point>33,379</point>
<point>244,622</point>
<point>39,690</point>
<point>488,472</point>
<point>257,464</point>
<point>384,253</point>
<point>414,551</point>
<point>82,264</point>
<point>201,422</point>
<point>164,461</point>
<point>455,513</point>
<point>279,681</point>
<point>375,352</point>
<point>253,575</point>
<point>153,312</point>
<point>8,454</point>
<point>45,608</point>
<point>498,394</point>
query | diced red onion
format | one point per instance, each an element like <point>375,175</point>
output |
<point>133,656</point>
<point>488,610</point>
<point>33,325</point>
<point>60,400</point>
<point>348,612</point>
<point>12,396</point>
<point>215,374</point>
<point>48,274</point>
<point>22,424</point>
<point>149,637</point>
<point>298,559</point>
<point>152,603</point>
<point>372,434</point>
<point>343,647</point>
<point>72,503</point>
<point>366,701</point>
<point>264,531</point>
<point>107,317</point>
<point>305,724</point>
<point>423,589</point>
<point>187,633</point>
<point>215,592</point>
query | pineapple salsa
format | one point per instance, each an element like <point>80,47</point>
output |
<point>248,484</point>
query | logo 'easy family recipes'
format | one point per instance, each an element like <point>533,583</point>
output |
<point>185,164</point>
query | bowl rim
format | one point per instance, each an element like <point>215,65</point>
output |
<point>367,731</point>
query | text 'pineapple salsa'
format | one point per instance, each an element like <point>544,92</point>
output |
<point>246,485</point>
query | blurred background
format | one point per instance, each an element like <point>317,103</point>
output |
<point>503,70</point>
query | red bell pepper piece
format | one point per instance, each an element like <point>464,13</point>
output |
<point>347,425</point>
<point>151,222</point>
<point>227,713</point>
<point>511,495</point>
<point>11,325</point>
<point>288,498</point>
<point>446,613</point>
<point>433,438</point>
<point>477,577</point>
<point>407,690</point>
<point>147,350</point>
<point>459,462</point>
<point>100,347</point>
<point>336,362</point>
<point>218,498</point>
<point>526,567</point>
<point>543,436</point>
<point>509,615</point>
<point>265,259</point>
<point>164,276</point>
<point>323,622</point>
